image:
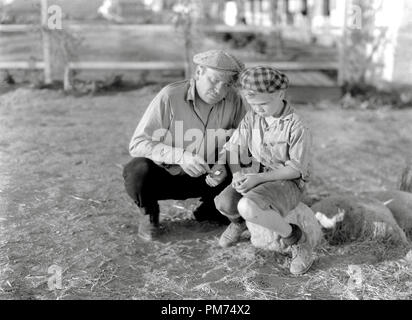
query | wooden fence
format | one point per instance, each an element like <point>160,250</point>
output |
<point>45,65</point>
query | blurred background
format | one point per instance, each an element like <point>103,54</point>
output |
<point>324,45</point>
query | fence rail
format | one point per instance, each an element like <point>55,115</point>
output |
<point>161,28</point>
<point>180,66</point>
<point>21,65</point>
<point>151,65</point>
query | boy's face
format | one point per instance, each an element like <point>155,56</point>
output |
<point>265,104</point>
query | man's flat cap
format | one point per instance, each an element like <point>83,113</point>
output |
<point>263,79</point>
<point>219,60</point>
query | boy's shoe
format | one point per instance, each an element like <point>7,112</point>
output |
<point>302,257</point>
<point>232,234</point>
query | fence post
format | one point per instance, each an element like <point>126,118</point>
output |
<point>46,43</point>
<point>67,80</point>
<point>343,47</point>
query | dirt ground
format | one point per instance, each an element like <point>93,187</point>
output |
<point>62,204</point>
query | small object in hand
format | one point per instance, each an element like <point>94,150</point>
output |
<point>217,173</point>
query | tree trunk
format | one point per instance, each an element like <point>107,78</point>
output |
<point>406,179</point>
<point>221,10</point>
<point>305,7</point>
<point>204,14</point>
<point>188,42</point>
<point>260,12</point>
<point>288,15</point>
<point>241,12</point>
<point>361,44</point>
<point>275,45</point>
<point>326,8</point>
<point>168,4</point>
<point>46,43</point>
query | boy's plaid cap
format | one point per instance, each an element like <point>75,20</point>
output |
<point>263,79</point>
<point>219,60</point>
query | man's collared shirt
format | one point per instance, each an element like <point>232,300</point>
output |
<point>285,141</point>
<point>172,124</point>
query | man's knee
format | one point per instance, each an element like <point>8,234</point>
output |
<point>137,176</point>
<point>137,167</point>
<point>247,208</point>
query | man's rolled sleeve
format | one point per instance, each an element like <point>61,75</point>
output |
<point>151,132</point>
<point>299,150</point>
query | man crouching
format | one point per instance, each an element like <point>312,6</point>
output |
<point>170,146</point>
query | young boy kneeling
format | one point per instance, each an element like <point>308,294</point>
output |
<point>279,143</point>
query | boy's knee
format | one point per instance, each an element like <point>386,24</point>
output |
<point>221,203</point>
<point>226,204</point>
<point>247,208</point>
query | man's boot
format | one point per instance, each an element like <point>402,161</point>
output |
<point>208,212</point>
<point>148,223</point>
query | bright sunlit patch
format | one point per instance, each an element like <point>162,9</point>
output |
<point>230,13</point>
<point>6,2</point>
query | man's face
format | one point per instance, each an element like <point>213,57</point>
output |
<point>212,85</point>
<point>265,104</point>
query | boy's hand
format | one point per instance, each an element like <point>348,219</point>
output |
<point>237,179</point>
<point>250,181</point>
<point>217,175</point>
<point>240,176</point>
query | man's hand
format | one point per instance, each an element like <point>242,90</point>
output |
<point>194,165</point>
<point>217,175</point>
<point>248,182</point>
